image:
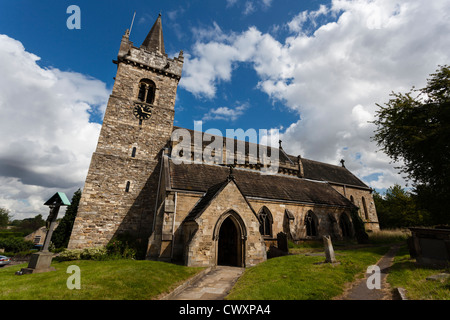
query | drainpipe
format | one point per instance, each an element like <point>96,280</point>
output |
<point>173,225</point>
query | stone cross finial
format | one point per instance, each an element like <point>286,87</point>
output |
<point>230,174</point>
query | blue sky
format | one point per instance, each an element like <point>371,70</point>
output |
<point>314,70</point>
<point>41,27</point>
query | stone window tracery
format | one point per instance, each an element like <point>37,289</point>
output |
<point>266,220</point>
<point>311,225</point>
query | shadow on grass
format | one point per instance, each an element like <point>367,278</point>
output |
<point>406,273</point>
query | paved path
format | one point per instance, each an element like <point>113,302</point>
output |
<point>359,290</point>
<point>215,285</point>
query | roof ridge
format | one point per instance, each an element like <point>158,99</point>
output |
<point>206,199</point>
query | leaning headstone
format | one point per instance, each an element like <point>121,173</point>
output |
<point>329,251</point>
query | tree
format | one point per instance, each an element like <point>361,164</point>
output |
<point>29,225</point>
<point>61,235</point>
<point>4,217</point>
<point>398,209</point>
<point>415,128</point>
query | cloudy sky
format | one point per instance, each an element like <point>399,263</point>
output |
<point>315,70</point>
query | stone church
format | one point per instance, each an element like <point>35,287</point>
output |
<point>199,213</point>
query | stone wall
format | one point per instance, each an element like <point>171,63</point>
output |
<point>201,250</point>
<point>368,216</point>
<point>119,195</point>
<point>327,217</point>
<point>328,223</point>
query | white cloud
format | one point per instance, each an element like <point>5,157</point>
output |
<point>337,64</point>
<point>231,3</point>
<point>212,62</point>
<point>47,136</point>
<point>210,33</point>
<point>226,113</point>
<point>267,3</point>
<point>249,8</point>
<point>297,23</point>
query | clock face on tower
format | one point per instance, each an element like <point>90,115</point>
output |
<point>142,111</point>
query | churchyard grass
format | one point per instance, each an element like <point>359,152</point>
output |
<point>405,273</point>
<point>100,280</point>
<point>387,236</point>
<point>304,277</point>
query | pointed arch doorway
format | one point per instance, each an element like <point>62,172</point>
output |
<point>230,240</point>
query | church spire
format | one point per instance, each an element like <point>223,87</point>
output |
<point>154,40</point>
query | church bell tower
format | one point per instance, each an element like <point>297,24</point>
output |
<point>119,194</point>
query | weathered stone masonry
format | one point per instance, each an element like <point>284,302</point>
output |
<point>198,213</point>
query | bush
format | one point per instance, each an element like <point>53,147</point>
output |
<point>68,255</point>
<point>120,249</point>
<point>15,244</point>
<point>126,246</point>
<point>96,253</point>
<point>11,234</point>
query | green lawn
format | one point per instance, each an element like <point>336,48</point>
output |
<point>100,280</point>
<point>293,277</point>
<point>299,277</point>
<point>406,274</point>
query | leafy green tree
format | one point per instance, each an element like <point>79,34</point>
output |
<point>29,225</point>
<point>398,208</point>
<point>4,217</point>
<point>415,128</point>
<point>61,235</point>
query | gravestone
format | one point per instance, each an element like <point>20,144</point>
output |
<point>329,251</point>
<point>430,246</point>
<point>282,242</point>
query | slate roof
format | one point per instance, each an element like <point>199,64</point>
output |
<point>313,170</point>
<point>205,200</point>
<point>320,171</point>
<point>201,177</point>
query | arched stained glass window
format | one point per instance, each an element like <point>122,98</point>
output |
<point>311,224</point>
<point>266,220</point>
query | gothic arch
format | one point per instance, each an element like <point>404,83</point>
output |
<point>346,225</point>
<point>266,220</point>
<point>146,91</point>
<point>229,235</point>
<point>311,224</point>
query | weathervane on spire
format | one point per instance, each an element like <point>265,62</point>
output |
<point>132,21</point>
